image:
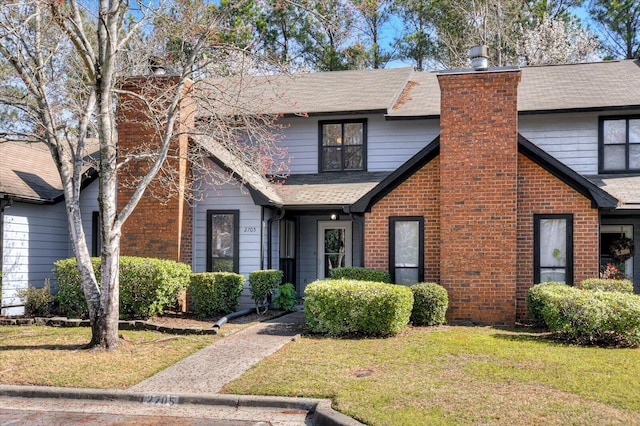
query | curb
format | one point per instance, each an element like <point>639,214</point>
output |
<point>320,409</point>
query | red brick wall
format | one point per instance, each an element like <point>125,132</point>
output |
<point>478,196</point>
<point>161,224</point>
<point>417,196</point>
<point>539,192</point>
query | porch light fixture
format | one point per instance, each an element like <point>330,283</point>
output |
<point>334,216</point>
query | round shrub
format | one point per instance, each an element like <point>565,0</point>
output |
<point>430,302</point>
<point>357,308</point>
<point>361,274</point>
<point>215,293</point>
<point>601,284</point>
<point>538,296</point>
<point>147,286</point>
<point>264,284</point>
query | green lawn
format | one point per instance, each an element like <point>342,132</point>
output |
<point>456,375</point>
<point>51,356</point>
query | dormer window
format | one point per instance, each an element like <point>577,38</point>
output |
<point>343,145</point>
<point>620,144</point>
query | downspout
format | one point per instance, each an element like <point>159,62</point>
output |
<point>270,238</point>
<point>262,238</point>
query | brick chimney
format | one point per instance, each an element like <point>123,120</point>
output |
<point>478,193</point>
<point>161,224</point>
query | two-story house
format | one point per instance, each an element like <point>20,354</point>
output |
<point>486,181</point>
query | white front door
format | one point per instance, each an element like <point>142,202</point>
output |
<point>608,235</point>
<point>334,246</point>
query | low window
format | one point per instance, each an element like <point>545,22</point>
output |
<point>222,241</point>
<point>553,248</point>
<point>342,145</point>
<point>619,144</point>
<point>406,250</point>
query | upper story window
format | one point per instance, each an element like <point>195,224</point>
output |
<point>343,145</point>
<point>620,144</point>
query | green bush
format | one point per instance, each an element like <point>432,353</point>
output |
<point>361,274</point>
<point>264,284</point>
<point>37,301</point>
<point>622,286</point>
<point>215,293</point>
<point>286,298</point>
<point>351,307</point>
<point>538,296</point>
<point>430,302</point>
<point>147,286</point>
<point>586,316</point>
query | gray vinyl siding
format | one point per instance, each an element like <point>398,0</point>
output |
<point>230,197</point>
<point>571,138</point>
<point>389,143</point>
<point>35,236</point>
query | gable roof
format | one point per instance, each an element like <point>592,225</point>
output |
<point>598,196</point>
<point>624,188</point>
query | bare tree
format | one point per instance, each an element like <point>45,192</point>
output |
<point>69,60</point>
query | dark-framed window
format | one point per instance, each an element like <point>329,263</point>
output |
<point>553,248</point>
<point>619,144</point>
<point>343,145</point>
<point>96,239</point>
<point>406,249</point>
<point>223,232</point>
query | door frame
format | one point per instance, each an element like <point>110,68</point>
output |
<point>627,230</point>
<point>324,225</point>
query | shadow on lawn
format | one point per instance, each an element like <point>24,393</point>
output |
<point>526,335</point>
<point>73,347</point>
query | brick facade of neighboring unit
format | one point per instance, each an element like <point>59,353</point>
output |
<point>161,225</point>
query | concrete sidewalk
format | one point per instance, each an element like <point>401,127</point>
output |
<point>209,369</point>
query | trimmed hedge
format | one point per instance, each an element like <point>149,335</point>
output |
<point>430,302</point>
<point>538,296</point>
<point>264,284</point>
<point>585,316</point>
<point>622,286</point>
<point>361,274</point>
<point>360,308</point>
<point>215,293</point>
<point>147,286</point>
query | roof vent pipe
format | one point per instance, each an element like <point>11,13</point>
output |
<point>479,56</point>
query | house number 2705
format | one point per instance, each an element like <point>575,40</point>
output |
<point>250,229</point>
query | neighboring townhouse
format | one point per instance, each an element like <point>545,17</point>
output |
<point>486,181</point>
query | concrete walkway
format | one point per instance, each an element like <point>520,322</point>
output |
<point>209,369</point>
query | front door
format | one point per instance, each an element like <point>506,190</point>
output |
<point>609,234</point>
<point>334,246</point>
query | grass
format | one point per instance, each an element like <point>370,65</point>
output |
<point>51,356</point>
<point>456,375</point>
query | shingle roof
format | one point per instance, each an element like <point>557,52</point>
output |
<point>27,172</point>
<point>328,189</point>
<point>308,93</point>
<point>601,85</point>
<point>402,92</point>
<point>625,188</point>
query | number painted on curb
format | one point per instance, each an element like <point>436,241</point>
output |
<point>168,400</point>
